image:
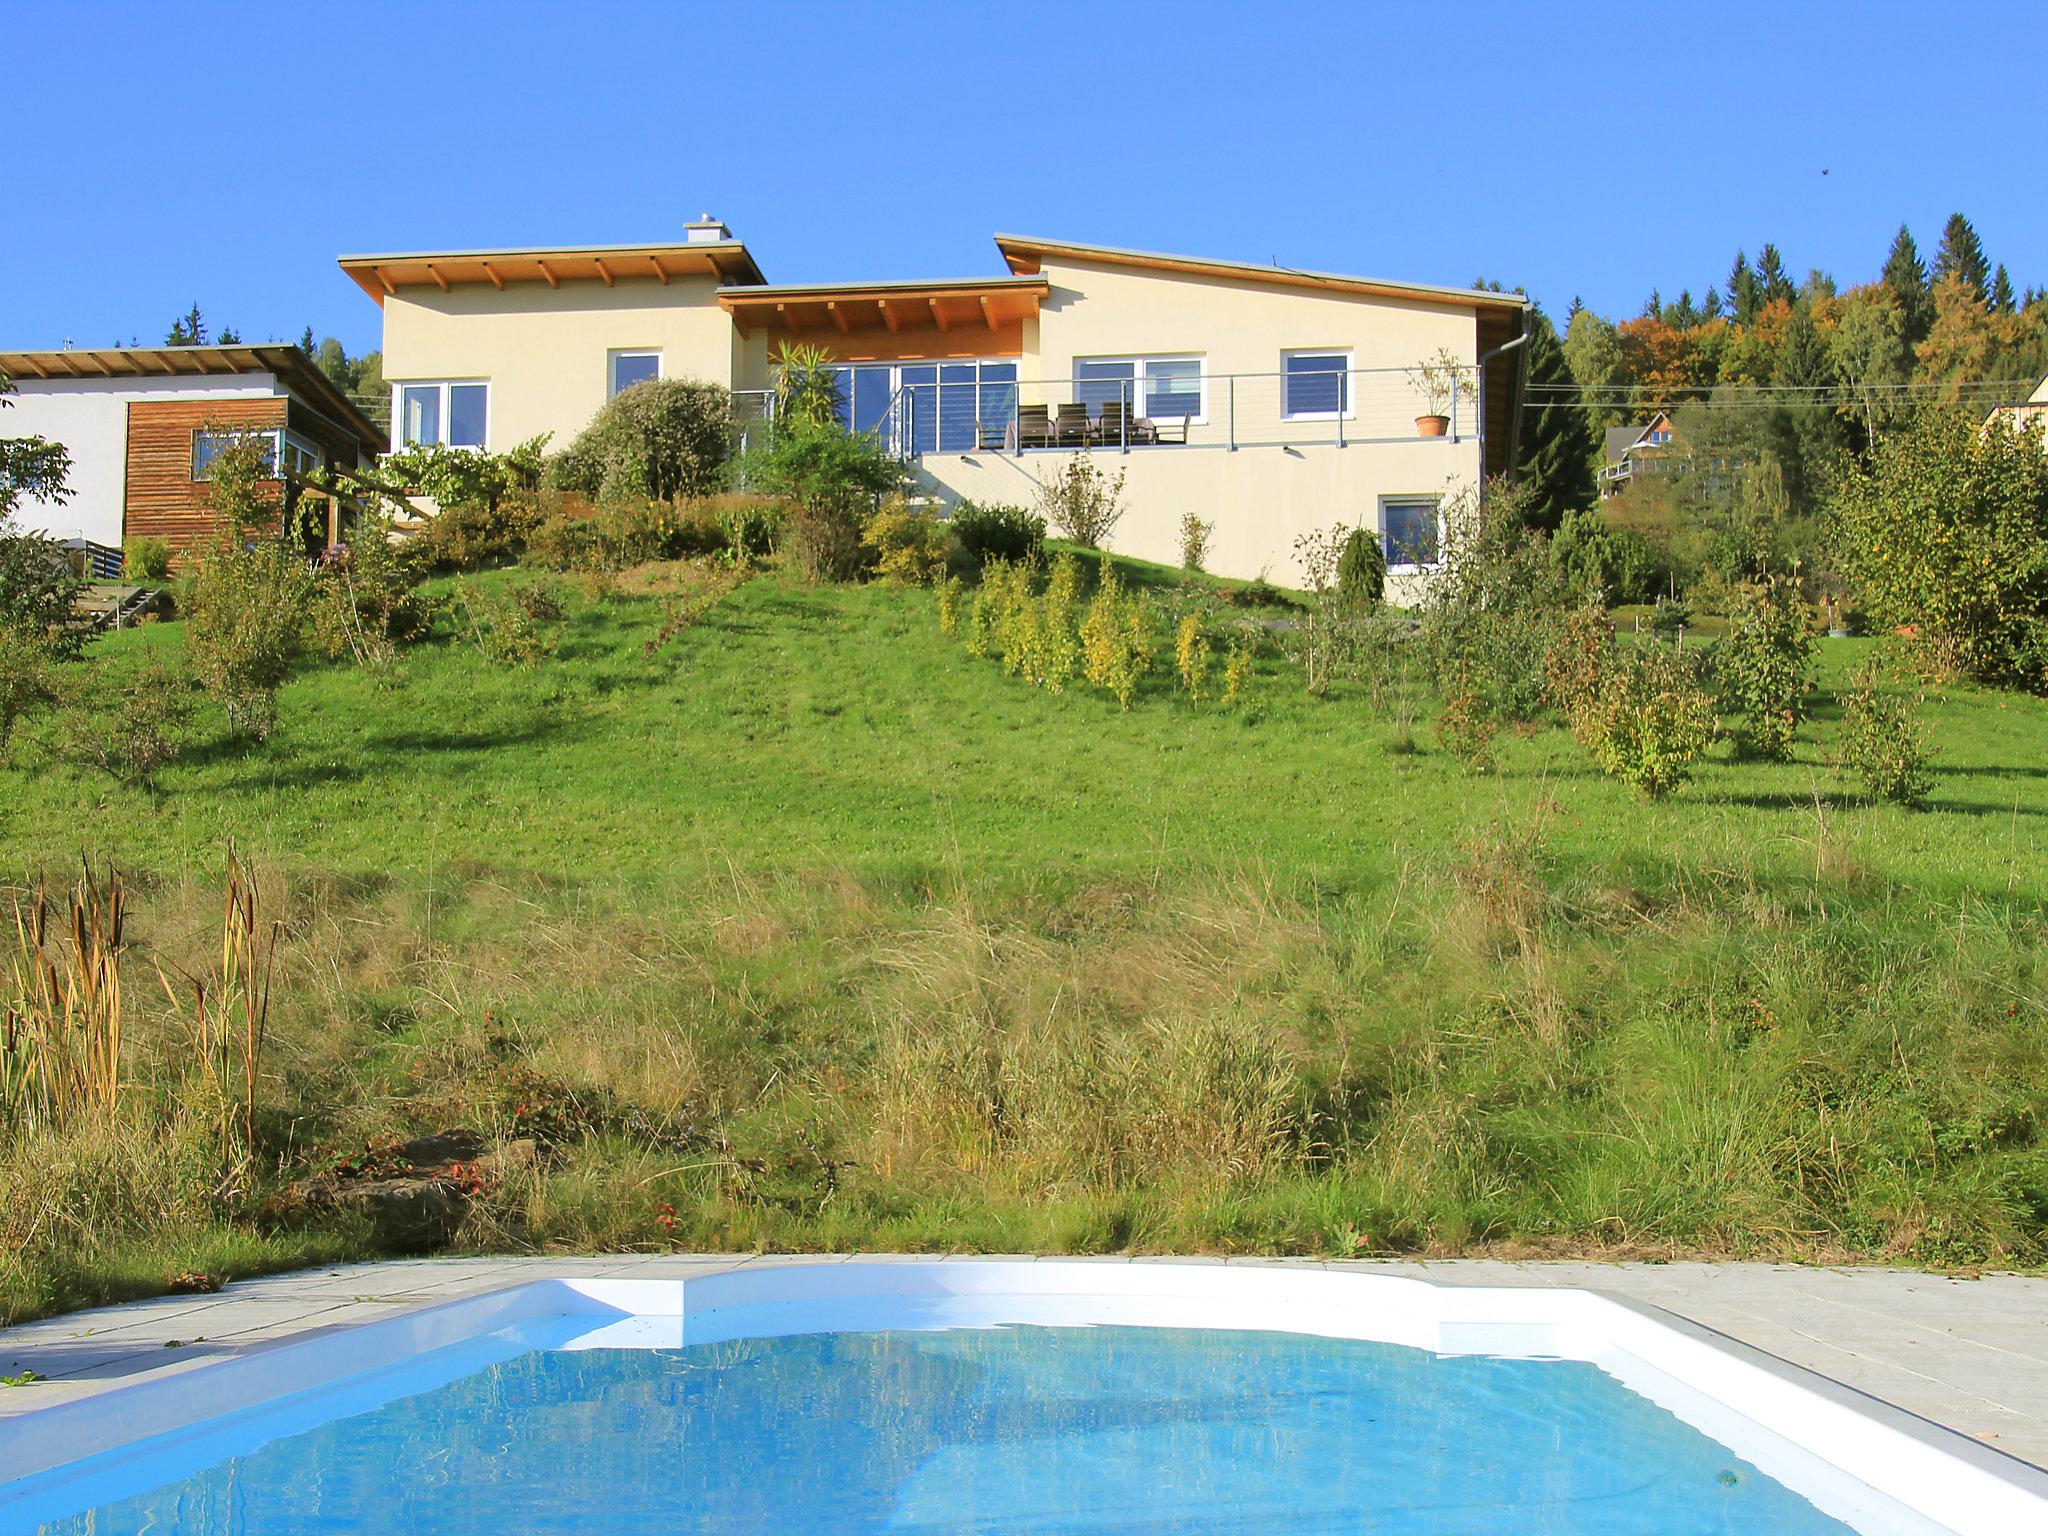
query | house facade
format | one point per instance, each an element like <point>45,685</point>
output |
<point>2028,415</point>
<point>1631,449</point>
<point>1268,402</point>
<point>140,424</point>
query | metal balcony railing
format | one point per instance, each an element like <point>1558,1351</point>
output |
<point>1170,410</point>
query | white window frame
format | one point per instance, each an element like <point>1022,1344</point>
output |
<point>400,386</point>
<point>1139,362</point>
<point>275,436</point>
<point>1350,410</point>
<point>1410,498</point>
<point>616,355</point>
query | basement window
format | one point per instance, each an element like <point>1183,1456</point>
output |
<point>1412,528</point>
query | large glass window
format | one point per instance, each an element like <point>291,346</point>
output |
<point>1413,532</point>
<point>1161,388</point>
<point>951,407</point>
<point>455,414</point>
<point>210,445</point>
<point>630,368</point>
<point>1315,384</point>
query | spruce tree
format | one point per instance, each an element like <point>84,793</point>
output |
<point>1742,290</point>
<point>1907,280</point>
<point>1962,255</point>
<point>1802,359</point>
<point>1555,453</point>
<point>2001,292</point>
<point>1771,281</point>
<point>188,330</point>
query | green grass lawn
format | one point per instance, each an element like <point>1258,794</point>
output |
<point>811,930</point>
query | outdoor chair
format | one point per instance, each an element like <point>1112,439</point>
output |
<point>1167,431</point>
<point>1115,428</point>
<point>1070,426</point>
<point>1034,426</point>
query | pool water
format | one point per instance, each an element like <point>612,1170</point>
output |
<point>1138,1431</point>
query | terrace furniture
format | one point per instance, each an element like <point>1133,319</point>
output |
<point>995,436</point>
<point>1070,427</point>
<point>1165,431</point>
<point>1117,427</point>
<point>1034,426</point>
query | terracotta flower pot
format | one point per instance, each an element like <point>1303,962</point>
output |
<point>1432,426</point>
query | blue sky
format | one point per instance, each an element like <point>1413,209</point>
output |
<point>160,153</point>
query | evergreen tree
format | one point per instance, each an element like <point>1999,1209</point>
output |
<point>2001,292</point>
<point>229,336</point>
<point>1961,255</point>
<point>1907,280</point>
<point>306,341</point>
<point>1802,359</point>
<point>1578,304</point>
<point>1653,306</point>
<point>188,330</point>
<point>1771,281</point>
<point>1743,297</point>
<point>1555,454</point>
<point>1710,306</point>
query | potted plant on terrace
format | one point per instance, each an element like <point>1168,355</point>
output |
<point>1440,380</point>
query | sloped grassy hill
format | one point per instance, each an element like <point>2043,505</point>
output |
<point>810,930</point>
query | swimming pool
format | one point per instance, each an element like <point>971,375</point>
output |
<point>988,1396</point>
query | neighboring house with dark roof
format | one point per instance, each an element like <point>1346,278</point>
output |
<point>141,423</point>
<point>1630,448</point>
<point>1269,401</point>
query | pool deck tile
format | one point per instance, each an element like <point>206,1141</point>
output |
<point>1971,1354</point>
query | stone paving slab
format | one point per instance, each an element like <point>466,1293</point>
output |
<point>1971,1354</point>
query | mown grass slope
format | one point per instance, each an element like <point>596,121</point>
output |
<point>810,930</point>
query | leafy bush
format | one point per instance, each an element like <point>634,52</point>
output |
<point>1652,719</point>
<point>130,729</point>
<point>998,533</point>
<point>28,675</point>
<point>462,477</point>
<point>564,541</point>
<point>749,526</point>
<point>1670,615</point>
<point>1602,563</point>
<point>365,602</point>
<point>1237,668</point>
<point>833,479</point>
<point>1946,529</point>
<point>144,559</point>
<point>1489,612</point>
<point>245,611</point>
<point>1362,570</point>
<point>1191,657</point>
<point>1765,665</point>
<point>1194,541</point>
<point>909,546</point>
<point>661,440</point>
<point>949,589</point>
<point>1465,726</point>
<point>1575,668</point>
<point>513,624</point>
<point>469,535</point>
<point>1083,501</point>
<point>1058,652</point>
<point>1116,637</point>
<point>1882,740</point>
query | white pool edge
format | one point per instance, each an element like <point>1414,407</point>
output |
<point>1719,1385</point>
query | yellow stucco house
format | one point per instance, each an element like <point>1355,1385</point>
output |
<point>1267,401</point>
<point>2028,415</point>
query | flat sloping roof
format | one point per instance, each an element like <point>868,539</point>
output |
<point>1026,253</point>
<point>297,372</point>
<point>381,275</point>
<point>983,305</point>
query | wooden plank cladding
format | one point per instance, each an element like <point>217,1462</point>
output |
<point>163,501</point>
